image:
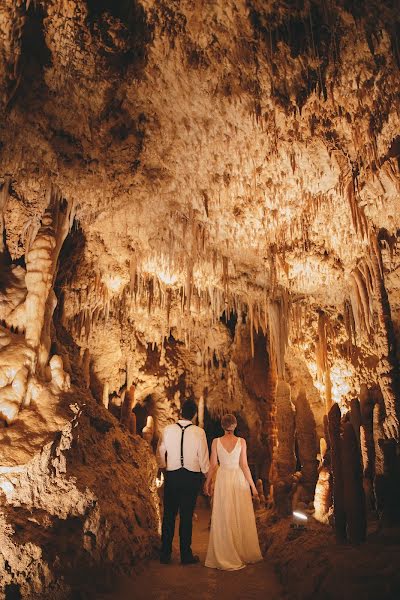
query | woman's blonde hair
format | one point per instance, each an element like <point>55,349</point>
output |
<point>228,422</point>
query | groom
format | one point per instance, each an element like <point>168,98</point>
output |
<point>183,451</point>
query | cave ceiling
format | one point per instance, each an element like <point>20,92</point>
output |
<point>246,146</point>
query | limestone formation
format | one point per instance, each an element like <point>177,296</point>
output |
<point>323,495</point>
<point>354,498</point>
<point>197,199</point>
<point>339,510</point>
<point>148,430</point>
<point>284,456</point>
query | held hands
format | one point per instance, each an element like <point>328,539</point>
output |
<point>254,492</point>
<point>207,488</point>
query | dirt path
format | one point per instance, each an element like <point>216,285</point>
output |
<point>174,582</point>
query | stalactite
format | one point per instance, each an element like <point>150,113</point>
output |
<point>251,328</point>
<point>349,326</point>
<point>357,213</point>
<point>106,392</point>
<point>278,311</point>
<point>364,299</point>
<point>132,274</point>
<point>321,355</point>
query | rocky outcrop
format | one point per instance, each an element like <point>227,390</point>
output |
<point>86,503</point>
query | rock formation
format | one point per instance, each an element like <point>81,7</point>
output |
<point>196,198</point>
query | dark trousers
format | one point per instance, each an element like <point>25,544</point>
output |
<point>180,495</point>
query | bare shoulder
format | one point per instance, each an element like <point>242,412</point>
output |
<point>242,442</point>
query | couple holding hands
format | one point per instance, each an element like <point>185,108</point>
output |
<point>183,453</point>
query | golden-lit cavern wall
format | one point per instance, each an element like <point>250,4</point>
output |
<point>196,197</point>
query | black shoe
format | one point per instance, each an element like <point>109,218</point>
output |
<point>190,560</point>
<point>165,559</point>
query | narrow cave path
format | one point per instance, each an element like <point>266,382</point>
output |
<point>172,582</point>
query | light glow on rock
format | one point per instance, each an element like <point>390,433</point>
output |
<point>299,515</point>
<point>342,375</point>
<point>114,283</point>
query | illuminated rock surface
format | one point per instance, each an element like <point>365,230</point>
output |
<point>195,198</point>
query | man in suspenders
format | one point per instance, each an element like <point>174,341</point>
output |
<point>183,451</point>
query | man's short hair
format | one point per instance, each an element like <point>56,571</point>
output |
<point>189,409</point>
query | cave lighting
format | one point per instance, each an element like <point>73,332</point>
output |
<point>299,515</point>
<point>167,277</point>
<point>114,283</point>
<point>342,380</point>
<point>160,267</point>
<point>160,480</point>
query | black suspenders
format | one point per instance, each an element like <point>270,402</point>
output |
<point>183,429</point>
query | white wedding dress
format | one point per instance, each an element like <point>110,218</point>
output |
<point>233,537</point>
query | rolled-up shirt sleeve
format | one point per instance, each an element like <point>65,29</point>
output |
<point>161,451</point>
<point>204,458</point>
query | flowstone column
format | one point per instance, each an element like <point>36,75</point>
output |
<point>387,368</point>
<point>41,268</point>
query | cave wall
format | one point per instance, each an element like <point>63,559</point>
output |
<point>195,198</point>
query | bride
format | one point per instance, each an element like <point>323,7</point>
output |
<point>233,537</point>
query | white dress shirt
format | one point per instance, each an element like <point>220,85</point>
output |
<point>195,449</point>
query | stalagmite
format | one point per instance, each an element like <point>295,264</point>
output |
<point>86,367</point>
<point>367,444</point>
<point>388,368</point>
<point>127,405</point>
<point>17,360</point>
<point>306,438</point>
<point>132,423</point>
<point>148,430</point>
<point>355,417</point>
<point>260,490</point>
<point>323,495</point>
<point>59,377</point>
<point>379,463</point>
<point>334,418</point>
<point>354,498</point>
<point>284,456</point>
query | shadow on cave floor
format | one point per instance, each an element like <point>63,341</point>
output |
<point>167,582</point>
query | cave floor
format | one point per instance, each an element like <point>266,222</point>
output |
<point>174,581</point>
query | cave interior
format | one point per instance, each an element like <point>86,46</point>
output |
<point>199,199</point>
